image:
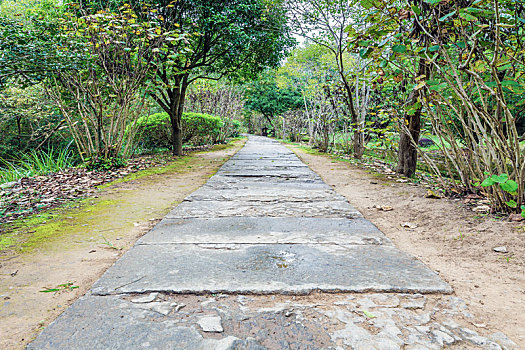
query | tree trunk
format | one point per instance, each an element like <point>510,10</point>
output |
<point>172,102</point>
<point>176,131</point>
<point>270,118</point>
<point>359,144</point>
<point>326,139</point>
<point>407,153</point>
<point>358,140</point>
<point>19,127</point>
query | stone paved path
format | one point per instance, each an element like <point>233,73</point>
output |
<point>245,263</point>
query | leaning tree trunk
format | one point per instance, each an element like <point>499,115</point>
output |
<point>409,136</point>
<point>270,118</point>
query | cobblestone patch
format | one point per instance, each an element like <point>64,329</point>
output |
<point>254,322</point>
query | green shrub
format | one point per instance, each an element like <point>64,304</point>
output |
<point>111,163</point>
<point>26,118</point>
<point>197,129</point>
<point>234,129</point>
<point>230,128</point>
<point>200,129</point>
<point>154,131</point>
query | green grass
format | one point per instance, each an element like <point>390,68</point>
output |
<point>438,145</point>
<point>35,163</point>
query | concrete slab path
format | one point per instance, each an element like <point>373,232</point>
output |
<point>265,224</point>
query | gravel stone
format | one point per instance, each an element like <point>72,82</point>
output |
<point>414,302</point>
<point>423,329</point>
<point>385,300</point>
<point>423,318</point>
<point>443,338</point>
<point>163,308</point>
<point>227,343</point>
<point>145,299</point>
<point>210,324</point>
<point>500,249</point>
<point>476,339</point>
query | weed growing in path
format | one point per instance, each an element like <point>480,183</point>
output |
<point>68,286</point>
<point>110,245</point>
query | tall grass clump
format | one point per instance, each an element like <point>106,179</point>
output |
<point>35,163</point>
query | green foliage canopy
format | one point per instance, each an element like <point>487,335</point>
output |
<point>32,43</point>
<point>236,38</point>
<point>265,97</point>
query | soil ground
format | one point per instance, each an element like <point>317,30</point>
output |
<point>79,244</point>
<point>450,238</point>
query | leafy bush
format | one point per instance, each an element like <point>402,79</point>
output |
<point>200,129</point>
<point>509,188</point>
<point>197,129</point>
<point>154,131</point>
<point>100,163</point>
<point>235,129</point>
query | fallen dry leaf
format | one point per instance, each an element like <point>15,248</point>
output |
<point>432,194</point>
<point>481,209</point>
<point>473,196</point>
<point>383,207</point>
<point>32,195</point>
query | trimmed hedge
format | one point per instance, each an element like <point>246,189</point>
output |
<point>154,131</point>
<point>200,129</point>
<point>197,129</point>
